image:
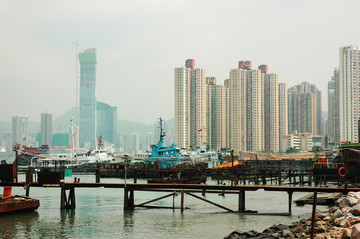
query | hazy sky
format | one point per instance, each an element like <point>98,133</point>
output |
<point>139,44</point>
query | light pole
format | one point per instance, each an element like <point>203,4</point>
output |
<point>126,157</point>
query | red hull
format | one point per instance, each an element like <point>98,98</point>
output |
<point>18,204</point>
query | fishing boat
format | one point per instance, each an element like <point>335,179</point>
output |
<point>165,156</point>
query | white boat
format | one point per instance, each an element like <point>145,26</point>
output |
<point>210,158</point>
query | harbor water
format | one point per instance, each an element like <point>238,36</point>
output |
<point>99,214</point>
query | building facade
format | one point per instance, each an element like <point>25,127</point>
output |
<point>237,109</point>
<point>20,130</point>
<point>190,106</point>
<point>348,93</point>
<point>88,62</point>
<point>216,114</point>
<point>332,135</point>
<point>46,129</point>
<point>255,110</point>
<point>303,109</point>
<point>271,112</point>
<point>283,111</point>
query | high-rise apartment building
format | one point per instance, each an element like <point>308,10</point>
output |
<point>348,94</point>
<point>237,109</point>
<point>227,113</point>
<point>304,101</point>
<point>283,112</point>
<point>271,112</point>
<point>216,114</point>
<point>190,106</point>
<point>88,61</point>
<point>20,130</point>
<point>332,110</point>
<point>182,107</point>
<point>255,110</point>
<point>46,129</point>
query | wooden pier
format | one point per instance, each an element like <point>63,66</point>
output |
<point>68,192</point>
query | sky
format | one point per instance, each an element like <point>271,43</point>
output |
<point>140,42</point>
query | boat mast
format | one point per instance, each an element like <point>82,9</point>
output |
<point>162,135</point>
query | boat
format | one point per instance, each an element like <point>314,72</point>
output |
<point>210,158</point>
<point>29,155</point>
<point>14,204</point>
<point>165,157</point>
<point>182,173</point>
<point>89,159</point>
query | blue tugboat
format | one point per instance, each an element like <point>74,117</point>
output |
<point>165,157</point>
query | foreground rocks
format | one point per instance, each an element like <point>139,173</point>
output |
<point>341,221</point>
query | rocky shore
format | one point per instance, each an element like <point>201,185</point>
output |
<point>340,221</point>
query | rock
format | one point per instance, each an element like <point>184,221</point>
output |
<point>268,231</point>
<point>298,229</point>
<point>233,235</point>
<point>282,227</point>
<point>308,223</point>
<point>355,210</point>
<point>342,202</point>
<point>322,215</point>
<point>355,233</point>
<point>346,209</point>
<point>338,220</point>
<point>251,233</point>
<point>346,222</point>
<point>287,233</point>
<point>346,233</point>
<point>352,198</point>
<point>276,235</point>
<point>337,214</point>
<point>333,209</point>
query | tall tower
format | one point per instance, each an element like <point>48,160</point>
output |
<point>20,129</point>
<point>332,103</point>
<point>348,87</point>
<point>190,106</point>
<point>271,112</point>
<point>304,107</point>
<point>181,84</point>
<point>46,129</point>
<point>237,110</point>
<point>88,61</point>
<point>255,110</point>
<point>283,112</point>
<point>216,114</point>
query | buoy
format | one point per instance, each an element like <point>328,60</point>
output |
<point>340,172</point>
<point>7,192</point>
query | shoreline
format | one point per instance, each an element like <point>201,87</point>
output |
<point>340,221</point>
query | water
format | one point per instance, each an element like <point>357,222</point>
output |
<point>99,214</point>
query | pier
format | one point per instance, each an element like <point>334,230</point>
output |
<point>68,198</point>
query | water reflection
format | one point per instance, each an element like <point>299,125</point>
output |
<point>67,217</point>
<point>128,221</point>
<point>12,224</point>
